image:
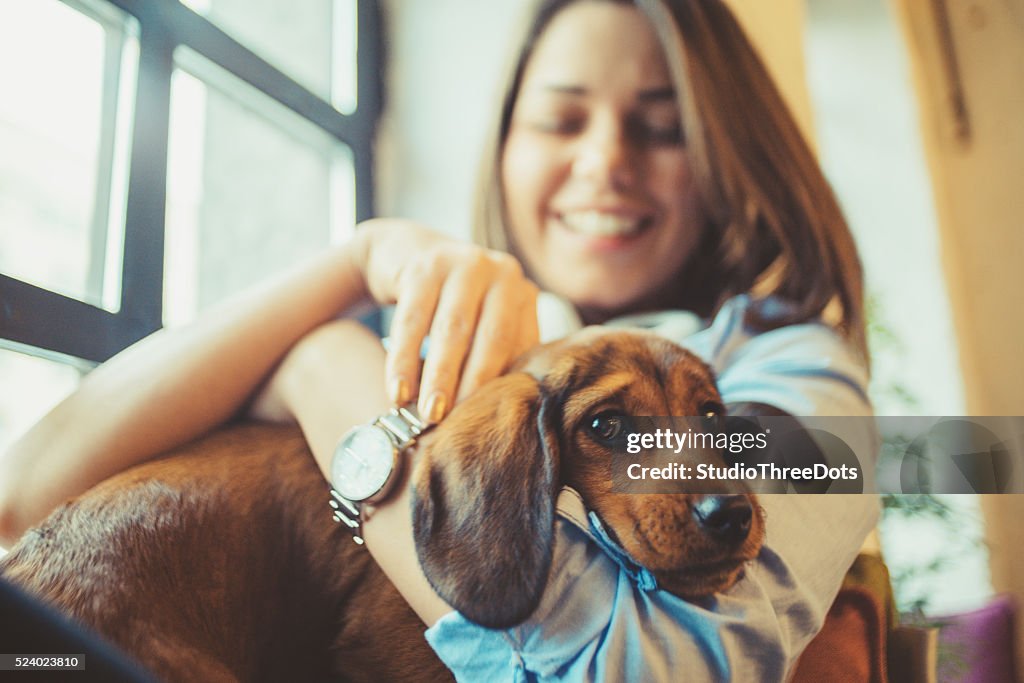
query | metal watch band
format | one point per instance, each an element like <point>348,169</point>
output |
<point>346,512</point>
<point>403,424</point>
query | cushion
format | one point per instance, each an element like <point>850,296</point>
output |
<point>978,646</point>
<point>850,648</point>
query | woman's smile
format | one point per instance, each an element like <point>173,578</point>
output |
<point>603,229</point>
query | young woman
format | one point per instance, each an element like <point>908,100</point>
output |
<point>643,161</point>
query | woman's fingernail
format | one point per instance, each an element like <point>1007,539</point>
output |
<point>436,406</point>
<point>400,393</point>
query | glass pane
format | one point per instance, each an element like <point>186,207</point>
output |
<point>252,188</point>
<point>344,61</point>
<point>67,76</point>
<point>316,46</point>
<point>31,387</point>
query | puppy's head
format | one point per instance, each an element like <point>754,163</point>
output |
<point>485,488</point>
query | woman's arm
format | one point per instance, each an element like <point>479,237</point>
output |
<point>170,387</point>
<point>177,384</point>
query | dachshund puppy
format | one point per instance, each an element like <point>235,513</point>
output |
<point>524,435</point>
<point>219,562</point>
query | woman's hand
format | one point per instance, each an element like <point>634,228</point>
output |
<point>476,304</point>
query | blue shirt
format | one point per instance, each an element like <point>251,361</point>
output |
<point>602,618</point>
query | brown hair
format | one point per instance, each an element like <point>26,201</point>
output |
<point>775,225</point>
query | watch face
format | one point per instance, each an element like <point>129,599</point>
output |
<point>362,462</point>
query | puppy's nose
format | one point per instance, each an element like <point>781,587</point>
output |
<point>724,518</point>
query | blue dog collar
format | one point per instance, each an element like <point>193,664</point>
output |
<point>643,578</point>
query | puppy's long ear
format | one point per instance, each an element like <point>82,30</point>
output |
<point>484,503</point>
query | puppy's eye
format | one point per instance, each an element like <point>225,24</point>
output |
<point>608,426</point>
<point>711,414</point>
<point>711,409</point>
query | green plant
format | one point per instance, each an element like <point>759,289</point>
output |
<point>889,352</point>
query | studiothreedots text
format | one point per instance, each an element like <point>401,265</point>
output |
<point>737,472</point>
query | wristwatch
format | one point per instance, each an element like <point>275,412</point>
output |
<point>367,463</point>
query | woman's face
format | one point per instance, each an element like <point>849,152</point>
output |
<point>597,185</point>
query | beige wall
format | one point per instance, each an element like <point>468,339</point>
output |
<point>979,183</point>
<point>977,165</point>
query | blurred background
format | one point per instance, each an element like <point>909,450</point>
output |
<point>156,156</point>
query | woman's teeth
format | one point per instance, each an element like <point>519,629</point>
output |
<point>600,224</point>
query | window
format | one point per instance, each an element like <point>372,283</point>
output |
<point>64,126</point>
<point>160,155</point>
<point>229,144</point>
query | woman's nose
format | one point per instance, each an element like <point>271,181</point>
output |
<point>605,156</point>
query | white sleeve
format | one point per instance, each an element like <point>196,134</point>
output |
<point>806,370</point>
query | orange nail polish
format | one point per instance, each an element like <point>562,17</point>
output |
<point>400,391</point>
<point>436,407</point>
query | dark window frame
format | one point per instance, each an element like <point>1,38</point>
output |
<point>38,318</point>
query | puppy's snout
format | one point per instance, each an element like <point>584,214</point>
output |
<point>725,518</point>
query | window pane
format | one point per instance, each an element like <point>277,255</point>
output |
<point>31,387</point>
<point>315,46</point>
<point>67,78</point>
<point>252,188</point>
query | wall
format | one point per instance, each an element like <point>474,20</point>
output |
<point>978,181</point>
<point>871,149</point>
<point>978,174</point>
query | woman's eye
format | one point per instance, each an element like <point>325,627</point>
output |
<point>660,135</point>
<point>558,126</point>
<point>607,426</point>
<point>656,126</point>
<point>671,135</point>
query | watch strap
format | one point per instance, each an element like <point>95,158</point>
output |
<point>346,512</point>
<point>402,424</point>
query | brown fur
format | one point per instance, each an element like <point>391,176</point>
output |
<point>219,562</point>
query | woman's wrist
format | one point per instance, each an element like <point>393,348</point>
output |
<point>359,248</point>
<point>367,254</point>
